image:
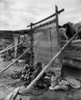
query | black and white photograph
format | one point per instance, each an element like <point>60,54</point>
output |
<point>40,49</point>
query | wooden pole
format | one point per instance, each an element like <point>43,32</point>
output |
<point>13,62</point>
<point>16,41</point>
<point>10,47</point>
<point>6,48</point>
<point>57,28</point>
<point>60,11</point>
<point>58,36</point>
<point>50,43</point>
<point>31,60</point>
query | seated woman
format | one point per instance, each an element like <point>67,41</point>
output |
<point>38,69</point>
<point>25,72</point>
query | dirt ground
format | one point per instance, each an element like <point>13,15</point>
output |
<point>7,85</point>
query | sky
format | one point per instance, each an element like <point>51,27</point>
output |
<point>17,14</point>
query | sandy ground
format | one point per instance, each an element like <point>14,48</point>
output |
<point>7,85</point>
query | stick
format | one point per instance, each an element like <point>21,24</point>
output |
<point>9,46</point>
<point>6,49</point>
<point>14,61</point>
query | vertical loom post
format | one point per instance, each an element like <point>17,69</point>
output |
<point>31,60</point>
<point>57,30</point>
<point>16,41</point>
<point>51,43</point>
